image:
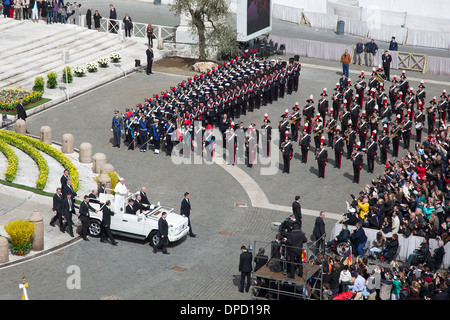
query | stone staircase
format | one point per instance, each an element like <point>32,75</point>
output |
<point>33,49</point>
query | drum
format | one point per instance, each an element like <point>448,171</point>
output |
<point>419,126</point>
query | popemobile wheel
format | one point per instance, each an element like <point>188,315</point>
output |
<point>342,248</point>
<point>95,228</point>
<point>154,239</point>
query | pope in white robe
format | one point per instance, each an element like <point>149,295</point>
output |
<point>121,191</point>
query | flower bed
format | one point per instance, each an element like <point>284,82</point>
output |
<point>54,153</point>
<point>16,140</point>
<point>80,71</point>
<point>92,66</point>
<point>103,62</point>
<point>11,170</point>
<point>9,98</point>
<point>115,56</point>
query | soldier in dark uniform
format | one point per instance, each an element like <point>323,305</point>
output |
<point>297,69</point>
<point>406,132</point>
<point>304,144</point>
<point>396,136</point>
<point>308,113</point>
<point>156,135</point>
<point>116,128</point>
<point>431,110</point>
<point>357,159</point>
<point>360,86</point>
<point>295,119</point>
<point>371,154</point>
<point>420,121</point>
<point>331,128</point>
<point>283,79</point>
<point>442,108</point>
<point>169,131</point>
<point>143,133</point>
<point>267,130</point>
<point>421,93</point>
<point>322,108</point>
<point>291,76</point>
<point>283,126</point>
<point>363,128</point>
<point>338,147</point>
<point>287,151</point>
<point>351,140</point>
<point>322,158</point>
<point>384,146</point>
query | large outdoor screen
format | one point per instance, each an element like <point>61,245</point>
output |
<point>254,18</point>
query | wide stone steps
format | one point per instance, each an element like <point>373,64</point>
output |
<point>36,55</point>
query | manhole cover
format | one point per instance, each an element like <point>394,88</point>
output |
<point>176,268</point>
<point>225,233</point>
<point>241,204</point>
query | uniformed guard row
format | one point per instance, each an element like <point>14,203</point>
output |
<point>216,98</point>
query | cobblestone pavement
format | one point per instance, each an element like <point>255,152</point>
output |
<point>131,270</point>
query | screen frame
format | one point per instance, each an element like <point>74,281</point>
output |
<point>241,22</point>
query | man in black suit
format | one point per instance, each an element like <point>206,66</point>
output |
<point>294,249</point>
<point>57,208</point>
<point>69,189</point>
<point>20,108</point>
<point>185,211</point>
<point>163,232</point>
<point>138,205</point>
<point>150,56</point>
<point>297,210</point>
<point>85,217</point>
<point>130,207</point>
<point>101,189</point>
<point>245,269</point>
<point>144,198</point>
<point>64,179</point>
<point>68,208</point>
<point>319,232</point>
<point>106,224</point>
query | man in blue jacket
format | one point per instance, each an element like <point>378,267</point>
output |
<point>360,239</point>
<point>371,50</point>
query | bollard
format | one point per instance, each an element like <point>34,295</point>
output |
<point>85,153</point>
<point>4,250</point>
<point>20,126</point>
<point>37,240</point>
<point>46,134</point>
<point>107,167</point>
<point>67,143</point>
<point>99,159</point>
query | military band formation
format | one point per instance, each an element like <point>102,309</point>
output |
<point>360,118</point>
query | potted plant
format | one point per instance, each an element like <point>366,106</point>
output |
<point>103,62</point>
<point>80,71</point>
<point>115,56</point>
<point>20,233</point>
<point>67,75</point>
<point>92,66</point>
<point>52,81</point>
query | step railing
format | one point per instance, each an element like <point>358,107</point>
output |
<point>166,33</point>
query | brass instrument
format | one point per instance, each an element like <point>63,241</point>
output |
<point>331,128</point>
<point>379,77</point>
<point>295,119</point>
<point>317,133</point>
<point>374,118</point>
<point>397,131</point>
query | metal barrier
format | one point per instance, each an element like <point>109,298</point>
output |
<point>166,33</point>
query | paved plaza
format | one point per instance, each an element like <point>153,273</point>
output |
<point>205,267</point>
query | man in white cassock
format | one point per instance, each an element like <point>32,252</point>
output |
<point>121,191</point>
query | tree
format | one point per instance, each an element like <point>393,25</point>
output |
<point>203,12</point>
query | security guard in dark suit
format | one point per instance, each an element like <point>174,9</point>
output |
<point>57,208</point>
<point>106,223</point>
<point>85,217</point>
<point>294,249</point>
<point>245,269</point>
<point>163,232</point>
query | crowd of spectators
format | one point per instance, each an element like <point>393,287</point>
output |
<point>412,196</point>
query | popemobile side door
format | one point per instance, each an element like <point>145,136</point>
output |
<point>128,223</point>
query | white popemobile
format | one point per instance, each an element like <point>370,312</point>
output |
<point>142,225</point>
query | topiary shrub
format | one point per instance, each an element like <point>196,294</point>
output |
<point>52,81</point>
<point>67,75</point>
<point>20,232</point>
<point>39,84</point>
